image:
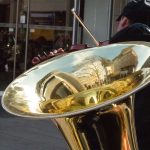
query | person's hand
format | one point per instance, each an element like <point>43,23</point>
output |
<point>38,59</point>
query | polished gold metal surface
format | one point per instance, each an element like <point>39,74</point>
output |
<point>89,94</point>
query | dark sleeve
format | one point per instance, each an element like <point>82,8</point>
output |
<point>134,32</point>
<point>142,117</point>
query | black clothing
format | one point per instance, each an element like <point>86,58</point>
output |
<point>139,32</point>
<point>142,118</point>
<point>134,32</point>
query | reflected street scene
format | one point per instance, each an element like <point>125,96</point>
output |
<point>97,87</point>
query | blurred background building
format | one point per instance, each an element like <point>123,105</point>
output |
<point>33,27</point>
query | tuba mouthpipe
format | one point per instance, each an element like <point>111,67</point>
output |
<point>89,94</point>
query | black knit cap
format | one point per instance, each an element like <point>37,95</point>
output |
<point>136,11</point>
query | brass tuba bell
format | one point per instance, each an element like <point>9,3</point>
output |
<point>89,94</point>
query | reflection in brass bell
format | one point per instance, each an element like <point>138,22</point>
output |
<point>89,94</point>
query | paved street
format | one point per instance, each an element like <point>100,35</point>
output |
<point>25,134</point>
<point>30,134</point>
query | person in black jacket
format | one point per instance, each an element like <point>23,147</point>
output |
<point>133,25</point>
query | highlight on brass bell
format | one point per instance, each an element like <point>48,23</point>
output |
<point>89,94</point>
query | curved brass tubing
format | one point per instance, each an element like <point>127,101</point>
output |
<point>89,94</point>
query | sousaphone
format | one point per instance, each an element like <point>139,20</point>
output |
<point>89,94</point>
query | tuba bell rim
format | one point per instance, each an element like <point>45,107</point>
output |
<point>92,108</point>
